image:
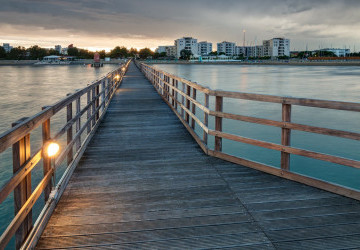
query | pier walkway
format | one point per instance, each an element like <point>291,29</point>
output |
<point>143,182</point>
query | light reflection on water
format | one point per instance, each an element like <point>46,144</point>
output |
<point>329,83</point>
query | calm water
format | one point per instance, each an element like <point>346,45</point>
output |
<point>24,90</point>
<point>330,83</point>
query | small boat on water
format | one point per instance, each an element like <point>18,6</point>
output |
<point>56,60</point>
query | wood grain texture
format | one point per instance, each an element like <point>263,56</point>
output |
<point>144,183</point>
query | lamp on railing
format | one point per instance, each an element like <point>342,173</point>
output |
<point>117,77</point>
<point>51,149</point>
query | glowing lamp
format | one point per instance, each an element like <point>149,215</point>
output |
<point>52,149</point>
<point>123,68</point>
<point>117,77</point>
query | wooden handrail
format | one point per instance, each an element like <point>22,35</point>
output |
<point>95,110</point>
<point>162,83</point>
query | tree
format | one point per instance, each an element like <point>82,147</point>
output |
<point>133,52</point>
<point>53,52</point>
<point>102,53</point>
<point>213,53</point>
<point>119,52</point>
<point>2,53</point>
<point>221,53</point>
<point>36,53</point>
<point>145,53</point>
<point>185,54</point>
<point>73,51</point>
<point>18,53</point>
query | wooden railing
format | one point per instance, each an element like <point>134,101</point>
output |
<point>181,95</point>
<point>98,96</point>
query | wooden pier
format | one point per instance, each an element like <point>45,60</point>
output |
<point>143,182</point>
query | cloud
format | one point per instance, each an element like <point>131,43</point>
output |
<point>158,22</point>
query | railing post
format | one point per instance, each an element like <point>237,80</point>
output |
<point>218,122</point>
<point>187,116</point>
<point>69,132</point>
<point>97,102</point>
<point>21,153</point>
<point>88,111</point>
<point>93,121</point>
<point>176,95</point>
<point>206,119</point>
<point>78,123</point>
<point>103,89</point>
<point>173,92</point>
<point>183,100</point>
<point>47,160</point>
<point>193,109</point>
<point>285,136</point>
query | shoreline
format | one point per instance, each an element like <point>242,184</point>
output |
<point>295,63</point>
<point>32,63</point>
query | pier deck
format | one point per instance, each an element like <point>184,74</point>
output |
<point>143,182</point>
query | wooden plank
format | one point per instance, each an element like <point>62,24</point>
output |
<point>285,137</point>
<point>218,122</point>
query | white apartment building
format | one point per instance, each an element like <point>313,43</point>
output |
<point>186,43</point>
<point>204,48</point>
<point>161,49</point>
<point>249,51</point>
<point>7,47</point>
<point>226,47</point>
<point>171,51</point>
<point>276,47</point>
<point>338,52</point>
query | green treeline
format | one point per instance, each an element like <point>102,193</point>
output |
<point>37,53</point>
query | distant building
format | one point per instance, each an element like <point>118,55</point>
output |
<point>161,49</point>
<point>71,46</point>
<point>338,52</point>
<point>204,48</point>
<point>64,51</point>
<point>171,51</point>
<point>228,48</point>
<point>58,48</point>
<point>186,43</point>
<point>276,47</point>
<point>7,47</point>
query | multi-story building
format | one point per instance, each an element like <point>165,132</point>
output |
<point>58,48</point>
<point>64,51</point>
<point>171,51</point>
<point>227,48</point>
<point>276,47</point>
<point>186,43</point>
<point>338,52</point>
<point>161,49</point>
<point>249,51</point>
<point>204,48</point>
<point>7,47</point>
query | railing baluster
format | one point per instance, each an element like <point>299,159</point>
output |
<point>176,95</point>
<point>97,102</point>
<point>182,99</point>
<point>46,160</point>
<point>21,153</point>
<point>206,119</point>
<point>187,116</point>
<point>88,111</point>
<point>285,136</point>
<point>193,110</point>
<point>69,132</point>
<point>78,123</point>
<point>103,95</point>
<point>218,123</point>
<point>93,106</point>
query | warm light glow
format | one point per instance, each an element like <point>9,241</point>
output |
<point>123,68</point>
<point>52,149</point>
<point>117,77</point>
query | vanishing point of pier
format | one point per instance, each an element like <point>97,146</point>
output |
<point>139,176</point>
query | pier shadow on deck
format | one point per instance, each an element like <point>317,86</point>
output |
<point>143,182</point>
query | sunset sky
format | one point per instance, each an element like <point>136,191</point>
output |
<point>104,24</point>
